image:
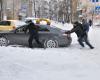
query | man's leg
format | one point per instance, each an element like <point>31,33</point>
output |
<point>30,41</point>
<point>80,40</point>
<point>38,42</point>
<point>87,42</point>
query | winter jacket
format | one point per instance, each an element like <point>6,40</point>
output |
<point>33,29</point>
<point>85,26</point>
<point>90,22</point>
<point>78,29</point>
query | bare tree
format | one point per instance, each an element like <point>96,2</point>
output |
<point>53,9</point>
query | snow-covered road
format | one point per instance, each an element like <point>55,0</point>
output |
<point>71,63</point>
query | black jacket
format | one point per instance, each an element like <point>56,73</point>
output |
<point>86,26</point>
<point>78,29</point>
<point>90,22</point>
<point>33,29</point>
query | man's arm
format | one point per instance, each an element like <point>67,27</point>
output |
<point>72,30</point>
<point>26,28</point>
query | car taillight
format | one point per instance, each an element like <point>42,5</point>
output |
<point>14,27</point>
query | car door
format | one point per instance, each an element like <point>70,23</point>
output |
<point>5,26</point>
<point>19,37</point>
<point>44,32</point>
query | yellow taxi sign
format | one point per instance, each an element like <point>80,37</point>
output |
<point>43,19</point>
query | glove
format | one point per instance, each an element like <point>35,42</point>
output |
<point>67,32</point>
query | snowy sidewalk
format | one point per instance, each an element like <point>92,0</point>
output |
<point>69,63</point>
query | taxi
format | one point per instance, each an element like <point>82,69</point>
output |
<point>7,25</point>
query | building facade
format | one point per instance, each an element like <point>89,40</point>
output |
<point>14,6</point>
<point>90,8</point>
<point>10,9</point>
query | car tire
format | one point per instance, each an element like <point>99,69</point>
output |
<point>51,43</point>
<point>3,41</point>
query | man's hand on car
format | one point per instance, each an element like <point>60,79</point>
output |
<point>67,32</point>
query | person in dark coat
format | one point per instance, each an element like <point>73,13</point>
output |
<point>81,34</point>
<point>85,25</point>
<point>90,22</point>
<point>33,32</point>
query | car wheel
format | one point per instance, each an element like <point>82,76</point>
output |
<point>50,43</point>
<point>3,41</point>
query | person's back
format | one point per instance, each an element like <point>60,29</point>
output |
<point>85,25</point>
<point>33,29</point>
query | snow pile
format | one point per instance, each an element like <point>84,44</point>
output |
<point>71,63</point>
<point>66,26</point>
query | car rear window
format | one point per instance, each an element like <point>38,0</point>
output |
<point>5,23</point>
<point>43,28</point>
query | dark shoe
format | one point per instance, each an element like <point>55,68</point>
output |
<point>91,47</point>
<point>30,46</point>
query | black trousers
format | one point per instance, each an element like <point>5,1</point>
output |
<point>36,37</point>
<point>85,39</point>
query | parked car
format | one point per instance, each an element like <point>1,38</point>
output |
<point>50,36</point>
<point>39,20</point>
<point>31,18</point>
<point>43,20</point>
<point>8,25</point>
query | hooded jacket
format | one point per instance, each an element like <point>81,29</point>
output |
<point>33,29</point>
<point>78,29</point>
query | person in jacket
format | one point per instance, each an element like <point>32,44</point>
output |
<point>85,25</point>
<point>81,34</point>
<point>33,32</point>
<point>90,22</point>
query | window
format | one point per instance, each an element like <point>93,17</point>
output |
<point>43,28</point>
<point>20,30</point>
<point>5,23</point>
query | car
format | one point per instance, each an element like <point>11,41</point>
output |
<point>50,37</point>
<point>39,20</point>
<point>43,20</point>
<point>31,18</point>
<point>8,25</point>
